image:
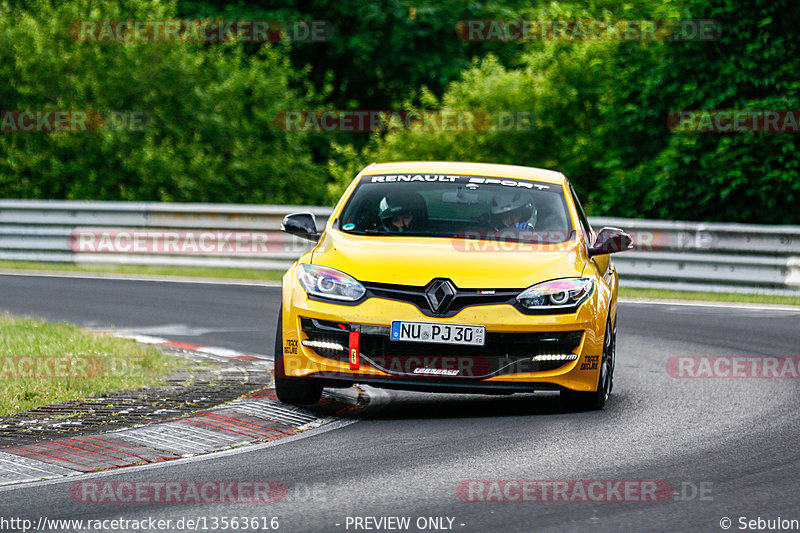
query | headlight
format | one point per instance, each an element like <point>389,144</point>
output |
<point>557,293</point>
<point>325,282</point>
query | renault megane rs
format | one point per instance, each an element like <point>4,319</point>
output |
<point>451,277</point>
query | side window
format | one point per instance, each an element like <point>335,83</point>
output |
<point>581,215</point>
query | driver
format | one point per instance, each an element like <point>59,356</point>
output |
<point>400,212</point>
<point>513,210</point>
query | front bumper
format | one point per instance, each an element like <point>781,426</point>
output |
<point>313,329</point>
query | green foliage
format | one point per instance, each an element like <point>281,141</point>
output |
<point>209,137</point>
<point>564,86</point>
<point>382,52</point>
<point>737,176</point>
<point>597,111</point>
<point>601,113</point>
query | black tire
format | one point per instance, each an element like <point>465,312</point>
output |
<point>295,391</point>
<point>596,400</point>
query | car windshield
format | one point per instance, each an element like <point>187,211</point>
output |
<point>458,206</point>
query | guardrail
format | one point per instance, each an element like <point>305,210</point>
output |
<point>43,230</point>
<point>677,255</point>
<point>709,256</point>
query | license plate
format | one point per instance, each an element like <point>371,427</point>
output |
<point>439,333</point>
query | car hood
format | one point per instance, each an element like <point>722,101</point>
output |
<point>468,263</point>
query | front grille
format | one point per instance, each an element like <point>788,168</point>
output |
<point>460,299</point>
<point>503,353</point>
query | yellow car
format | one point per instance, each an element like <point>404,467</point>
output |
<point>451,277</point>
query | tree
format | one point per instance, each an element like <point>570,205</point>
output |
<point>380,53</point>
<point>737,176</point>
<point>209,108</point>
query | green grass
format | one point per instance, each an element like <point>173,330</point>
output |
<point>708,296</point>
<point>43,363</point>
<point>146,270</point>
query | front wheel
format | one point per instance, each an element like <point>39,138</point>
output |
<point>296,391</point>
<point>594,401</point>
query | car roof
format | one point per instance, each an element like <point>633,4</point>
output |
<point>467,169</point>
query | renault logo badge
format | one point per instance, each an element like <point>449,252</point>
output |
<point>440,294</point>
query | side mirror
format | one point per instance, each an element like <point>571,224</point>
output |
<point>304,225</point>
<point>611,240</point>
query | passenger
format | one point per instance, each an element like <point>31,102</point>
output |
<point>513,210</point>
<point>402,213</point>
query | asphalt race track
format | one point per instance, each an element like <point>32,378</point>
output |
<point>728,447</point>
